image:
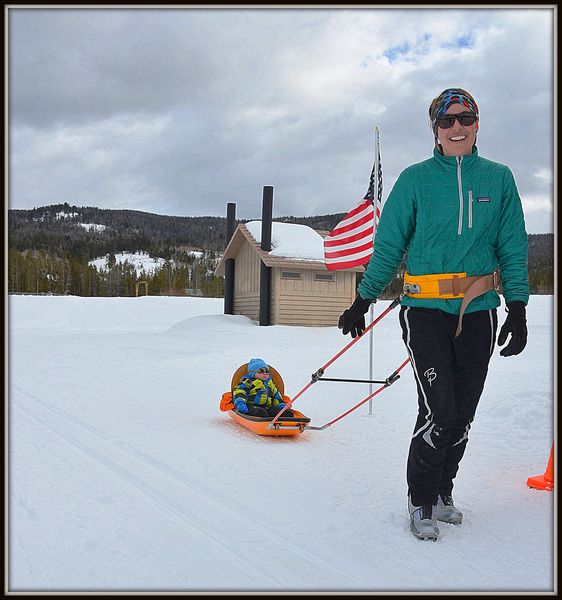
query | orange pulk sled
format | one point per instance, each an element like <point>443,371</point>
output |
<point>280,425</point>
<point>288,426</point>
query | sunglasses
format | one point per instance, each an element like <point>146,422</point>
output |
<point>447,121</point>
<point>262,371</point>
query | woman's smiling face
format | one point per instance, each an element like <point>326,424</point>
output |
<point>459,139</point>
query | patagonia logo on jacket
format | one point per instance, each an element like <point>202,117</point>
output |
<point>483,199</point>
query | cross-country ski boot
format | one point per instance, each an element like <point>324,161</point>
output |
<point>422,521</point>
<point>446,511</point>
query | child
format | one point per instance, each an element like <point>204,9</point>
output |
<point>256,394</point>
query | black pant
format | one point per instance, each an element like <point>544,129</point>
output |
<point>450,374</point>
<point>264,412</point>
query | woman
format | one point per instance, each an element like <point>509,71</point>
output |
<point>458,218</point>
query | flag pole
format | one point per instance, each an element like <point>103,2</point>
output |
<point>378,200</point>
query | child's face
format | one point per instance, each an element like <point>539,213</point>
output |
<point>262,374</point>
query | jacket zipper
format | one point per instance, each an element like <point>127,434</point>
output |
<point>470,208</point>
<point>459,182</point>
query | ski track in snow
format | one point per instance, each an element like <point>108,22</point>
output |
<point>187,503</point>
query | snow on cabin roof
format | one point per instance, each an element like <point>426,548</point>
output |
<point>291,240</point>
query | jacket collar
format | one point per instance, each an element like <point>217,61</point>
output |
<point>450,162</point>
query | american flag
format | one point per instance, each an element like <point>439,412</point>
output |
<point>350,244</point>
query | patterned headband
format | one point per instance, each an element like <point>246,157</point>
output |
<point>448,97</point>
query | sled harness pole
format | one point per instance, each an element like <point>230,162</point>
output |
<point>354,380</point>
<point>389,381</point>
<point>316,376</point>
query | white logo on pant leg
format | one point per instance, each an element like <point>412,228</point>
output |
<point>427,436</point>
<point>430,375</point>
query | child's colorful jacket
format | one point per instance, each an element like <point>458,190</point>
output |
<point>257,392</point>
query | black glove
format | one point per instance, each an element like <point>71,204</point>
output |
<point>353,319</point>
<point>516,324</point>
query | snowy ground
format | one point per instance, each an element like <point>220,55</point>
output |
<point>124,475</point>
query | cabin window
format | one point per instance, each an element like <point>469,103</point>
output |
<point>290,275</point>
<point>324,276</point>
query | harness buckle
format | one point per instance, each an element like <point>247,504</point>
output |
<point>496,281</point>
<point>411,288</point>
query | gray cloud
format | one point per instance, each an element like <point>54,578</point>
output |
<point>178,111</point>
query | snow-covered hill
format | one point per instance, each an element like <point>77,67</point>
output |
<point>141,261</point>
<point>124,475</point>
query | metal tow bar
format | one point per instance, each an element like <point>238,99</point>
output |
<point>317,376</point>
<point>387,383</point>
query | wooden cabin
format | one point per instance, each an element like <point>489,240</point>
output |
<point>303,291</point>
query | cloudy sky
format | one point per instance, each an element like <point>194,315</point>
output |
<point>178,111</point>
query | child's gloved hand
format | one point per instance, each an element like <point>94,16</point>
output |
<point>241,407</point>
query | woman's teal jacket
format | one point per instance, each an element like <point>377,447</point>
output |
<point>452,215</point>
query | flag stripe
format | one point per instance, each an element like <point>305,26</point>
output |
<point>349,239</point>
<point>363,208</point>
<point>359,258</point>
<point>353,249</point>
<point>356,211</point>
<point>368,227</point>
<point>336,266</point>
<point>367,218</point>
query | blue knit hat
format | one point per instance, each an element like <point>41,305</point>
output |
<point>255,364</point>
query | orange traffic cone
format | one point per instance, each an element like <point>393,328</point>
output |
<point>546,481</point>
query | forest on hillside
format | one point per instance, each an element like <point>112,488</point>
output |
<point>49,249</point>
